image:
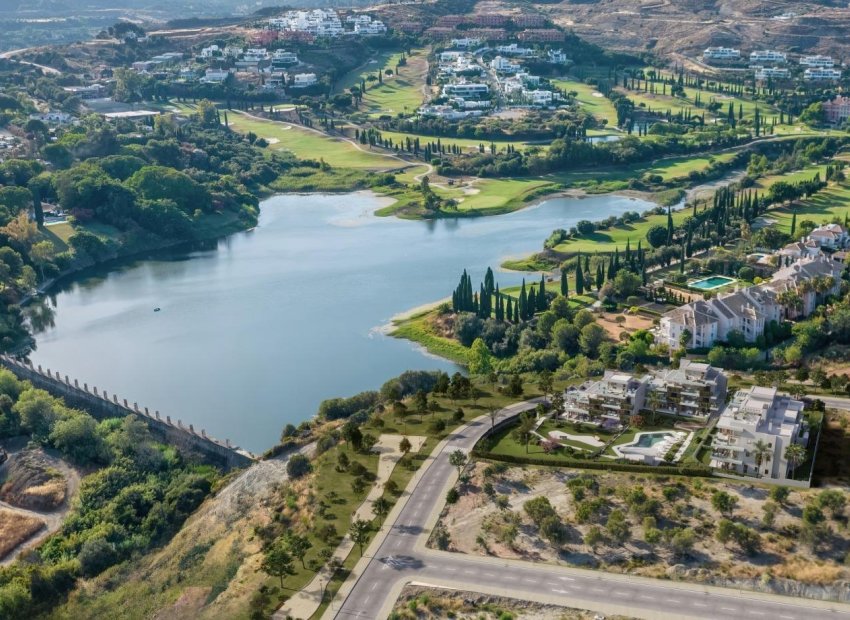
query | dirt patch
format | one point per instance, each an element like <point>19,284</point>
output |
<point>628,323</point>
<point>31,479</point>
<point>186,607</point>
<point>15,529</point>
<point>656,527</point>
<point>424,603</point>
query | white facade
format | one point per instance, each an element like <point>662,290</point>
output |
<point>514,50</point>
<point>768,56</point>
<point>318,22</point>
<point>365,25</point>
<point>211,52</point>
<point>467,42</point>
<point>500,64</point>
<point>557,57</point>
<point>467,90</point>
<point>759,417</point>
<point>303,80</point>
<point>750,310</point>
<point>831,236</point>
<point>766,73</point>
<point>817,61</point>
<point>721,53</point>
<point>284,58</point>
<point>215,76</point>
<point>822,74</point>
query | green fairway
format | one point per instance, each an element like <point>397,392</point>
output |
<point>679,167</point>
<point>598,105</point>
<point>400,92</point>
<point>828,204</point>
<point>308,144</point>
<point>465,144</point>
<point>496,194</point>
<point>616,237</point>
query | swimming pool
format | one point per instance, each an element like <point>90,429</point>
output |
<point>647,440</point>
<point>710,283</point>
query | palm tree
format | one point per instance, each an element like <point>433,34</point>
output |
<point>762,452</point>
<point>653,403</point>
<point>795,454</point>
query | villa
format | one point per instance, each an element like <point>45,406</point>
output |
<point>750,310</point>
<point>837,110</point>
<point>768,56</point>
<point>467,90</point>
<point>721,53</point>
<point>754,431</point>
<point>817,61</point>
<point>822,74</point>
<point>830,236</point>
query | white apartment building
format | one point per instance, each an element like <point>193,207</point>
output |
<point>692,390</point>
<point>282,58</point>
<point>749,310</point>
<point>447,112</point>
<point>366,26</point>
<point>467,90</point>
<point>515,50</point>
<point>759,414</point>
<point>721,53</point>
<point>831,236</point>
<point>500,64</point>
<point>817,61</point>
<point>468,42</point>
<point>211,52</point>
<point>303,80</point>
<point>822,74</point>
<point>775,73</point>
<point>557,57</point>
<point>318,22</point>
<point>768,56</point>
<point>215,76</point>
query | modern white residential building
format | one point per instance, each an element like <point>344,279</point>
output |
<point>211,52</point>
<point>755,430</point>
<point>721,53</point>
<point>317,22</point>
<point>822,74</point>
<point>215,76</point>
<point>282,58</point>
<point>466,43</point>
<point>557,57</point>
<point>817,61</point>
<point>692,390</point>
<point>750,310</point>
<point>500,64</point>
<point>774,73</point>
<point>515,50</point>
<point>768,56</point>
<point>467,90</point>
<point>365,25</point>
<point>303,80</point>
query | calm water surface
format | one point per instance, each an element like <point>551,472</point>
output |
<point>256,332</point>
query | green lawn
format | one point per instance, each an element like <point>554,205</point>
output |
<point>307,144</point>
<point>616,237</point>
<point>828,204</point>
<point>600,106</point>
<point>464,143</point>
<point>804,174</point>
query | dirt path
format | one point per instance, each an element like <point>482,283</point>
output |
<point>52,519</point>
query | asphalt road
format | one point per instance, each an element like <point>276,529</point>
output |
<point>402,558</point>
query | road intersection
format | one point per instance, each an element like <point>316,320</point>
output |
<point>398,556</point>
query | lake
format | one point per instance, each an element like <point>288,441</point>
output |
<point>256,330</point>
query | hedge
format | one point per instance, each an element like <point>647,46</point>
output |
<point>600,465</point>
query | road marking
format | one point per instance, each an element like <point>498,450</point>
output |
<point>787,617</point>
<point>374,585</point>
<point>646,597</point>
<point>366,600</point>
<point>566,578</point>
<point>468,571</point>
<point>598,590</point>
<point>672,600</point>
<point>489,574</point>
<point>451,570</point>
<point>728,609</point>
<point>560,591</point>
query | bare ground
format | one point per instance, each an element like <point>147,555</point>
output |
<point>15,529</point>
<point>477,525</point>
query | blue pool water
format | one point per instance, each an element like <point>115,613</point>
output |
<point>707,284</point>
<point>650,439</point>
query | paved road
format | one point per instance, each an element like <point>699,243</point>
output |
<point>402,558</point>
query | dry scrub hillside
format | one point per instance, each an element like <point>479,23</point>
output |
<point>694,529</point>
<point>689,26</point>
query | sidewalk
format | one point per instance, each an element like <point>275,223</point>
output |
<point>304,603</point>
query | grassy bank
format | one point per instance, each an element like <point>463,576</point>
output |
<point>419,328</point>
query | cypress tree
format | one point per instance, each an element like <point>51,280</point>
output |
<point>670,226</point>
<point>587,263</point>
<point>794,222</point>
<point>579,279</point>
<point>516,312</point>
<point>531,304</point>
<point>565,287</point>
<point>600,276</point>
<point>542,302</point>
<point>510,309</point>
<point>523,301</point>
